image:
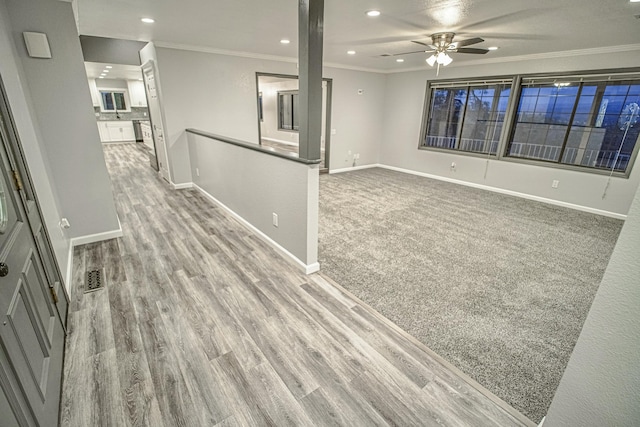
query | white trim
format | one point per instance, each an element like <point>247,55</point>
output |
<point>293,144</point>
<point>69,277</point>
<point>98,237</point>
<point>182,186</point>
<point>306,268</point>
<point>83,240</point>
<point>204,49</point>
<point>542,421</point>
<point>355,168</point>
<point>510,192</point>
<point>489,60</point>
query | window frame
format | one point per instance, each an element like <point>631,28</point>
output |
<point>435,84</point>
<point>125,94</point>
<point>278,95</point>
<point>510,118</point>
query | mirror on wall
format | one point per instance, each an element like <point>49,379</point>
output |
<point>278,105</point>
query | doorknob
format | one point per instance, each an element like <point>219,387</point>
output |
<point>4,269</point>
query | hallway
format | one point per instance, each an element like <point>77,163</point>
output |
<point>200,323</point>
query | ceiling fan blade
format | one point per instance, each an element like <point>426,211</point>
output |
<point>468,42</point>
<point>405,53</point>
<point>471,50</point>
<point>430,46</point>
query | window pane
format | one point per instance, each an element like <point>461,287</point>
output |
<point>294,110</point>
<point>285,112</point>
<point>541,134</point>
<point>107,101</point>
<point>484,116</point>
<point>119,100</point>
<point>445,114</point>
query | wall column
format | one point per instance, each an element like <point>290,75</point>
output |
<point>310,33</point>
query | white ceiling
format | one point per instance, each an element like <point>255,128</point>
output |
<point>117,71</point>
<point>517,27</point>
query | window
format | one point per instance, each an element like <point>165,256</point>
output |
<point>583,122</point>
<point>588,122</point>
<point>466,117</point>
<point>113,100</point>
<point>288,110</point>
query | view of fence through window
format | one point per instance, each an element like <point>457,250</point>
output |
<point>592,124</point>
<point>589,122</point>
<point>467,118</point>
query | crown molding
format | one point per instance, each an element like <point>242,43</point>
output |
<point>533,57</point>
<point>204,49</point>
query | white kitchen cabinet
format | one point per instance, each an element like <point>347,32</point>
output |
<point>137,95</point>
<point>116,131</point>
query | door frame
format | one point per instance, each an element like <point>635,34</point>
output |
<point>327,112</point>
<point>150,65</point>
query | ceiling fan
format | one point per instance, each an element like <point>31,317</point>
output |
<point>443,44</point>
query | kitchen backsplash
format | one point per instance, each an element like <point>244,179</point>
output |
<point>136,113</point>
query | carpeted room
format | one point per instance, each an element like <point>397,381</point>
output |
<point>498,285</point>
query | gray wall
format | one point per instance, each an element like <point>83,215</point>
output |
<point>601,384</point>
<point>217,93</point>
<point>65,116</point>
<point>111,51</point>
<point>404,104</point>
<point>21,105</point>
<point>255,185</point>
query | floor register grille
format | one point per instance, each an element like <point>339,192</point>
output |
<point>94,280</point>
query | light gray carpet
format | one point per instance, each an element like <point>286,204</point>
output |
<point>497,285</point>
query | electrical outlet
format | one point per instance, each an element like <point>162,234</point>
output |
<point>453,166</point>
<point>333,131</point>
<point>197,172</point>
<point>555,183</point>
<point>275,219</point>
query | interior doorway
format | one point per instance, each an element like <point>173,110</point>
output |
<point>277,96</point>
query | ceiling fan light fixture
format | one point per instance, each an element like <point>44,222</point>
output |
<point>431,60</point>
<point>446,60</point>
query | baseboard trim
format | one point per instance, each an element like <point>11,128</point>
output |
<point>355,168</point>
<point>84,240</point>
<point>305,268</point>
<point>98,237</point>
<point>509,192</point>
<point>182,186</point>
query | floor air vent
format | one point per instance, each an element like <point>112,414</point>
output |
<point>94,280</point>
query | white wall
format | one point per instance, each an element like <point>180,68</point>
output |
<point>269,126</point>
<point>255,185</point>
<point>601,384</point>
<point>65,117</point>
<point>404,105</point>
<point>217,93</point>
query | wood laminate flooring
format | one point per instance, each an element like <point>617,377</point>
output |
<point>201,323</point>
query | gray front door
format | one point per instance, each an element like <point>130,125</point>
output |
<point>31,330</point>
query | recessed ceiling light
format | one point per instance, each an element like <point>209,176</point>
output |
<point>493,48</point>
<point>148,20</point>
<point>351,52</point>
<point>139,80</point>
<point>105,71</point>
<point>285,41</point>
<point>634,1</point>
<point>399,60</point>
<point>108,67</point>
<point>101,77</point>
<point>373,13</point>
